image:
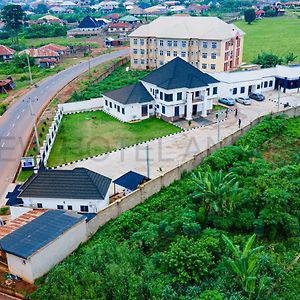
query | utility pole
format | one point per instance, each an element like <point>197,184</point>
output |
<point>29,69</point>
<point>218,127</point>
<point>147,160</point>
<point>34,125</point>
<point>278,99</point>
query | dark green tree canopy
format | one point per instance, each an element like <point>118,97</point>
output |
<point>249,15</point>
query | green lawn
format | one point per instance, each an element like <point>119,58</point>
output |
<point>86,134</point>
<point>279,35</point>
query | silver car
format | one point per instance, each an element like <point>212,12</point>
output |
<point>244,100</point>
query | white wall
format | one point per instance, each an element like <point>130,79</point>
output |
<point>96,103</point>
<point>51,203</point>
<point>17,211</point>
<point>132,111</point>
<point>46,258</point>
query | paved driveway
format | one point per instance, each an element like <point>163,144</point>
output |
<point>169,152</point>
<point>16,123</point>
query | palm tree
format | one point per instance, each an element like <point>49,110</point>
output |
<point>244,264</point>
<point>217,190</point>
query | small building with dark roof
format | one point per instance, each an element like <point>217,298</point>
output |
<point>79,190</point>
<point>36,241</point>
<point>176,90</point>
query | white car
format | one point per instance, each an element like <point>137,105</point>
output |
<point>244,100</point>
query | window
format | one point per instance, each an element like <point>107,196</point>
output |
<point>183,44</point>
<point>176,111</point>
<point>208,91</point>
<point>115,105</point>
<point>258,86</point>
<point>213,66</point>
<point>205,44</point>
<point>60,207</point>
<point>270,83</point>
<point>161,53</point>
<point>161,43</point>
<point>39,205</point>
<point>168,53</point>
<point>142,61</point>
<point>70,207</point>
<point>265,84</point>
<point>215,90</point>
<point>168,97</point>
<point>197,94</point>
<point>142,51</point>
<point>204,55</point>
<point>118,108</point>
<point>144,110</point>
<point>175,43</point>
<point>106,103</point>
<point>161,63</point>
<point>110,104</point>
<point>183,53</point>
<point>161,95</point>
<point>213,56</point>
<point>135,41</point>
<point>204,66</point>
<point>179,96</point>
<point>123,110</point>
<point>242,90</point>
<point>135,61</point>
<point>169,43</point>
<point>142,41</point>
<point>214,45</point>
<point>84,208</point>
<point>175,53</point>
<point>163,109</point>
<point>234,91</point>
<point>135,51</point>
<point>150,106</point>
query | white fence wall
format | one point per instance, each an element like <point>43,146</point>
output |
<point>79,106</point>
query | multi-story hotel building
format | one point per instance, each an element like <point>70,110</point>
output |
<point>207,43</point>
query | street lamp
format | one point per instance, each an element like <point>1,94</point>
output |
<point>33,123</point>
<point>218,127</point>
<point>278,98</point>
<point>29,69</point>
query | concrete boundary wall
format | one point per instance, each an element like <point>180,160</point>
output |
<point>81,106</point>
<point>153,186</point>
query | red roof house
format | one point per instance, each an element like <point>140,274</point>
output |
<point>6,53</point>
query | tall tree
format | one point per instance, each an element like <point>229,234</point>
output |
<point>13,17</point>
<point>249,15</point>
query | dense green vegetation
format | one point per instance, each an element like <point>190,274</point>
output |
<point>92,133</point>
<point>272,35</point>
<point>118,79</point>
<point>194,239</point>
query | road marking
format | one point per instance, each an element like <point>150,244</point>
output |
<point>8,134</point>
<point>23,110</point>
<point>3,144</point>
<point>18,117</point>
<point>13,125</point>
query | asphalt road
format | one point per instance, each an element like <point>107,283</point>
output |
<point>16,124</point>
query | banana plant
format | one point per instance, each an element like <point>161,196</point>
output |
<point>244,264</point>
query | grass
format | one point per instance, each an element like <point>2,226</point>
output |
<point>86,134</point>
<point>278,35</point>
<point>24,175</point>
<point>217,107</point>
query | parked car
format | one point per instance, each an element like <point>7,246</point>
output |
<point>227,101</point>
<point>257,96</point>
<point>244,100</point>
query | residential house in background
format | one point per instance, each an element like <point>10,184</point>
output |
<point>56,48</point>
<point>36,241</point>
<point>207,43</point>
<point>119,28</point>
<point>45,58</point>
<point>174,91</point>
<point>79,190</point>
<point>7,85</point>
<point>130,19</point>
<point>6,53</point>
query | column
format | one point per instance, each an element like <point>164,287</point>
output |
<point>189,106</point>
<point>204,107</point>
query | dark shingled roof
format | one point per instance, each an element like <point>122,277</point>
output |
<point>33,236</point>
<point>130,180</point>
<point>179,74</point>
<point>79,183</point>
<point>134,93</point>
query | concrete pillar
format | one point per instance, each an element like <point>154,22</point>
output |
<point>189,106</point>
<point>205,104</point>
